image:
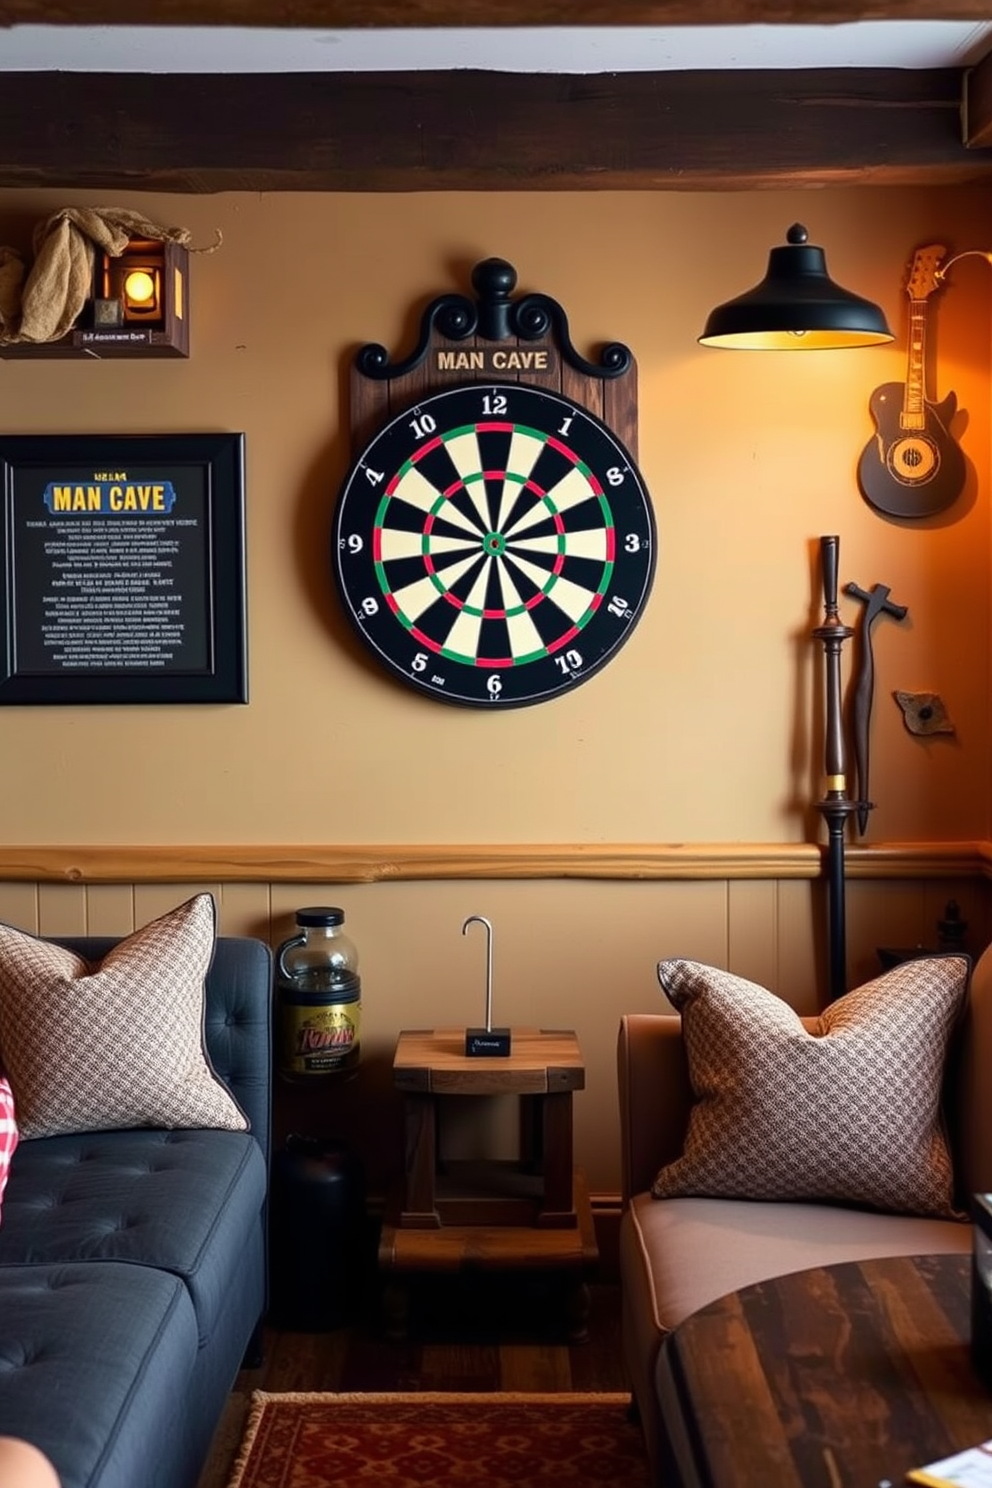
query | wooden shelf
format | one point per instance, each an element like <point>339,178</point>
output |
<point>493,1247</point>
<point>168,336</point>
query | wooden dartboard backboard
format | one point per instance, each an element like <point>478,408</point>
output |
<point>380,389</point>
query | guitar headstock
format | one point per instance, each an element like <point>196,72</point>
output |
<point>923,279</point>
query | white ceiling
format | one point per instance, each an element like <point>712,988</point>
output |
<point>587,49</point>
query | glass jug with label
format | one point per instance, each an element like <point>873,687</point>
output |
<point>319,997</point>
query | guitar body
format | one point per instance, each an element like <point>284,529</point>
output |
<point>911,472</point>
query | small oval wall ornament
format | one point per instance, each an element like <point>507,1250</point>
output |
<point>924,713</point>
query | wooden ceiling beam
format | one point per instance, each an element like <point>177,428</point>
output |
<point>342,14</point>
<point>463,131</point>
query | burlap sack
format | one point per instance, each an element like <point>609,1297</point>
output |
<point>60,280</point>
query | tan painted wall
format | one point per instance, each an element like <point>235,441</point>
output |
<point>703,728</point>
<point>707,725</point>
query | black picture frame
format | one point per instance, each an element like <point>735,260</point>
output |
<point>122,569</point>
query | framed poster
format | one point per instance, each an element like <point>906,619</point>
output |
<point>122,569</point>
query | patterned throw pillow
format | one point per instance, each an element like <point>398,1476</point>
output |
<point>848,1111</point>
<point>8,1131</point>
<point>113,1045</point>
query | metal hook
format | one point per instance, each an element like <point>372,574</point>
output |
<point>481,920</point>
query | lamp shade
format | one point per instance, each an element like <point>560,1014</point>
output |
<point>796,307</point>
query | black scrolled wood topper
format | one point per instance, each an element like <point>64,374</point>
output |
<point>495,317</point>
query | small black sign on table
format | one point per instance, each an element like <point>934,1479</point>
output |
<point>122,569</point>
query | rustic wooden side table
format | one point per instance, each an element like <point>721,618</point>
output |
<point>531,1213</point>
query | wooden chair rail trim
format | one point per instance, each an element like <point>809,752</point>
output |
<point>375,863</point>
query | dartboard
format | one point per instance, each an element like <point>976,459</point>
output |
<point>494,545</point>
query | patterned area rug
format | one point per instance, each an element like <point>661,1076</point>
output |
<point>446,1440</point>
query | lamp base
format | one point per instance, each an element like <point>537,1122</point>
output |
<point>487,1043</point>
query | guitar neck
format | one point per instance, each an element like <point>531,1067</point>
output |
<point>913,414</point>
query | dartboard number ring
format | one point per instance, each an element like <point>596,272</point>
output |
<point>494,545</point>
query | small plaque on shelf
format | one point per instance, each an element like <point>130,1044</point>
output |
<point>487,1043</point>
<point>116,337</point>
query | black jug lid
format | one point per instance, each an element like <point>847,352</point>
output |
<point>320,915</point>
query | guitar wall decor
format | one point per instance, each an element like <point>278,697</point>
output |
<point>913,467</point>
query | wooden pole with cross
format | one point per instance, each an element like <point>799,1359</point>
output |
<point>836,806</point>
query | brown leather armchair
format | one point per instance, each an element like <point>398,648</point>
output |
<point>678,1254</point>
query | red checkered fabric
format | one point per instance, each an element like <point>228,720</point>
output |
<point>8,1130</point>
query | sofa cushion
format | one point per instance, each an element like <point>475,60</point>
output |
<point>126,1034</point>
<point>93,1361</point>
<point>679,1255</point>
<point>185,1202</point>
<point>848,1111</point>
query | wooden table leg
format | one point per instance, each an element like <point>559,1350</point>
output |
<point>531,1149</point>
<point>419,1199</point>
<point>558,1208</point>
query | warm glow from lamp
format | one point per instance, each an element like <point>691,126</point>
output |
<point>796,307</point>
<point>139,286</point>
<point>141,289</point>
<point>135,280</point>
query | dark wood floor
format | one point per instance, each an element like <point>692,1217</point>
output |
<point>501,1335</point>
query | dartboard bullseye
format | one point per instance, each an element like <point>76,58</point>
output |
<point>494,545</point>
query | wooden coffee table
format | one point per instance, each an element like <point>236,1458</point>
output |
<point>838,1377</point>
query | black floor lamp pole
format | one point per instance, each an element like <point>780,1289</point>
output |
<point>836,806</point>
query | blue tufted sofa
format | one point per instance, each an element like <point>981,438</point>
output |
<point>133,1265</point>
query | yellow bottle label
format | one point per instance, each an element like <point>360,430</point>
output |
<point>317,1039</point>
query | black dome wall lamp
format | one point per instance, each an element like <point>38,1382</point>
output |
<point>796,307</point>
